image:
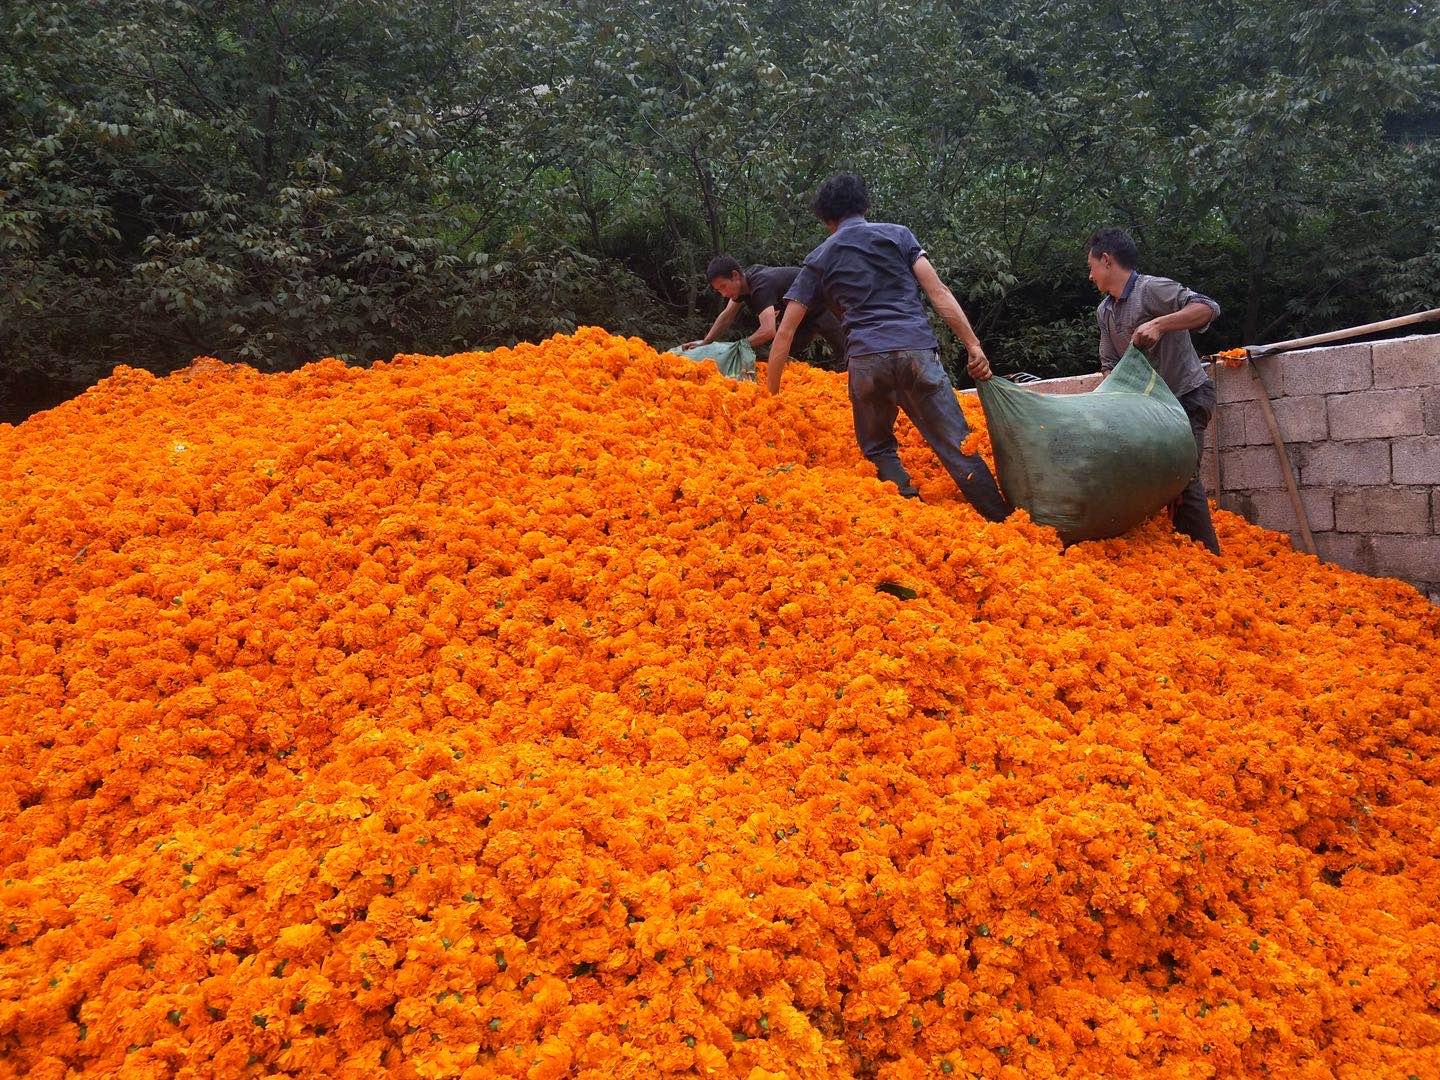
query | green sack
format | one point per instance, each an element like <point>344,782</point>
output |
<point>1091,465</point>
<point>734,358</point>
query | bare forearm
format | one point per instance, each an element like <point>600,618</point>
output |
<point>1191,317</point>
<point>780,343</point>
<point>945,304</point>
<point>720,325</point>
<point>780,347</point>
<point>949,309</point>
<point>765,333</point>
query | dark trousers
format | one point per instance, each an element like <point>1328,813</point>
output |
<point>883,383</point>
<point>1191,511</point>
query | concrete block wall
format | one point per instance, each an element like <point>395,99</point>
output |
<point>1362,427</point>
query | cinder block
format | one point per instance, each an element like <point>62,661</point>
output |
<point>1383,510</point>
<point>1245,468</point>
<point>1354,551</point>
<point>1272,509</point>
<point>1430,406</point>
<point>1208,472</point>
<point>1412,361</point>
<point>1378,414</point>
<point>1414,558</point>
<point>1236,384</point>
<point>1301,420</point>
<point>1239,502</point>
<point>1344,464</point>
<point>1319,504</point>
<point>1417,460</point>
<point>1336,369</point>
<point>1232,422</point>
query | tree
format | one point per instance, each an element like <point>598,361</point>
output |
<point>274,182</point>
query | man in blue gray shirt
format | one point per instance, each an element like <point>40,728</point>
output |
<point>1157,314</point>
<point>873,274</point>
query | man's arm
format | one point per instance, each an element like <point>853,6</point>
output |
<point>766,333</point>
<point>780,347</point>
<point>950,310</point>
<point>1193,316</point>
<point>719,326</point>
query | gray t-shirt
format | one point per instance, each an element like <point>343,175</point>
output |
<point>1145,298</point>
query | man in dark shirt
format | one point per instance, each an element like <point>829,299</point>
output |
<point>1157,314</point>
<point>762,290</point>
<point>874,274</point>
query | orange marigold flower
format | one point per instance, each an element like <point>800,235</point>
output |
<point>572,710</point>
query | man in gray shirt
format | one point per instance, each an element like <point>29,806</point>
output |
<point>1157,314</point>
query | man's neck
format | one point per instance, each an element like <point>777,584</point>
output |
<point>1121,285</point>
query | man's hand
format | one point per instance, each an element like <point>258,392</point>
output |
<point>1147,334</point>
<point>979,364</point>
<point>691,345</point>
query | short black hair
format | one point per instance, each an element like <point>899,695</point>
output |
<point>1115,242</point>
<point>840,196</point>
<point>721,266</point>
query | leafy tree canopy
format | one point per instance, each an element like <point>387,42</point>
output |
<point>276,182</point>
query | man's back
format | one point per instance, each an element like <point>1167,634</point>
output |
<point>864,270</point>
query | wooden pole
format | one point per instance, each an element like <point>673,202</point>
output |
<point>1256,351</point>
<point>1307,540</point>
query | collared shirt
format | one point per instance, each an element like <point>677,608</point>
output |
<point>1145,298</point>
<point>865,272</point>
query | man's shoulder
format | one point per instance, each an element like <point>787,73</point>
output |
<point>1151,282</point>
<point>820,250</point>
<point>1165,294</point>
<point>890,229</point>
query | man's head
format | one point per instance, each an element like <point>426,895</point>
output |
<point>726,277</point>
<point>840,197</point>
<point>1112,256</point>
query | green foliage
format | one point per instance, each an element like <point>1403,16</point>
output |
<point>273,183</point>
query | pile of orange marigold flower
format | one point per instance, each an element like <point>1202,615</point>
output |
<point>572,710</point>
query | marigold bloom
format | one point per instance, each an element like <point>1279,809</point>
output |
<point>571,710</point>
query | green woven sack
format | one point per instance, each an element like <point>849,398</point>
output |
<point>734,358</point>
<point>1091,465</point>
